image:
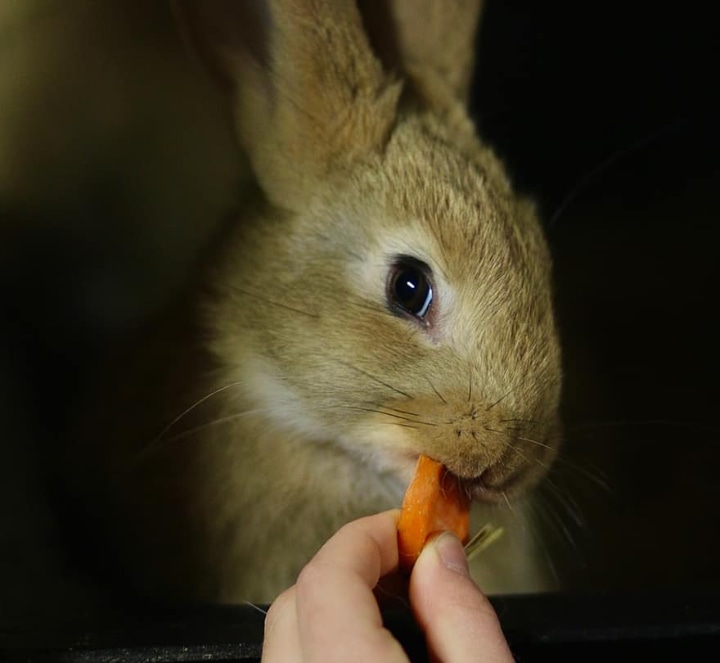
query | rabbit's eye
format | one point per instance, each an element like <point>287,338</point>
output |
<point>409,289</point>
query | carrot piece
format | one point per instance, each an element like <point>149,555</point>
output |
<point>434,501</point>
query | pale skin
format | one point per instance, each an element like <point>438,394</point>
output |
<point>331,613</point>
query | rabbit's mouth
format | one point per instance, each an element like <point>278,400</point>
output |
<point>496,485</point>
<point>496,453</point>
<point>495,459</point>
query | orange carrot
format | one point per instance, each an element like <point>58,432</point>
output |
<point>434,501</point>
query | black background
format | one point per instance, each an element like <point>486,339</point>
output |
<point>608,114</point>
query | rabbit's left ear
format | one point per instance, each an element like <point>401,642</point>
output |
<point>431,42</point>
<point>308,93</point>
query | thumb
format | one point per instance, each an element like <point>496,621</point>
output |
<point>459,622</point>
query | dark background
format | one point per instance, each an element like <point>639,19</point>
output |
<point>607,114</point>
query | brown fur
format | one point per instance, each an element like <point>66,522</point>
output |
<point>322,397</point>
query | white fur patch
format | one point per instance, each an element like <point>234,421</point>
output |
<point>281,403</point>
<point>388,452</point>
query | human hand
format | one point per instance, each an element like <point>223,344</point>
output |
<point>331,613</point>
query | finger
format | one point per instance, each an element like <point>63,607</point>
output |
<point>459,622</point>
<point>338,617</point>
<point>281,642</point>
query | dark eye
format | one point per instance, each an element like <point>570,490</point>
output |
<point>409,287</point>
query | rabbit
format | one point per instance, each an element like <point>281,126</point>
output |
<point>381,293</point>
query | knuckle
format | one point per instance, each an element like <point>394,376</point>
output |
<point>279,609</point>
<point>308,578</point>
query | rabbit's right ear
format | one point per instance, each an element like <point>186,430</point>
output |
<point>308,93</point>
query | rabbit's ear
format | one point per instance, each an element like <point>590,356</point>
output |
<point>431,42</point>
<point>308,92</point>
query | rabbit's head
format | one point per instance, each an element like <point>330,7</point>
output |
<point>390,294</point>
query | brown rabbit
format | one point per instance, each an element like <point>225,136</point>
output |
<point>384,294</point>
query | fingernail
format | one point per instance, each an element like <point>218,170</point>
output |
<point>452,553</point>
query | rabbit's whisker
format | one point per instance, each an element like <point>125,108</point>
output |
<point>600,481</point>
<point>499,400</point>
<point>584,182</point>
<point>532,422</point>
<point>256,607</point>
<point>537,442</point>
<point>189,409</point>
<point>566,499</point>
<point>536,509</point>
<point>519,453</point>
<point>211,424</point>
<point>553,519</point>
<point>375,379</point>
<point>265,300</point>
<point>390,414</point>
<point>507,501</point>
<point>394,409</point>
<point>437,393</point>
